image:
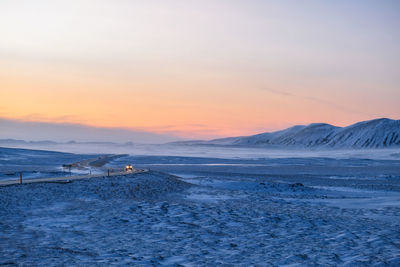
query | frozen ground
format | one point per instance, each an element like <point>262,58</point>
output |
<point>42,164</point>
<point>221,151</point>
<point>37,163</point>
<point>263,211</point>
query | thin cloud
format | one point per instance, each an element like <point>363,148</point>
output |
<point>323,101</point>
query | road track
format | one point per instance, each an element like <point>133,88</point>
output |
<point>68,178</point>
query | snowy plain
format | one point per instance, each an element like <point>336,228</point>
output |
<point>213,207</point>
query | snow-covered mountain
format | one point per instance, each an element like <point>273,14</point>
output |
<point>378,133</point>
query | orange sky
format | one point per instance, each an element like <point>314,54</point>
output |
<point>183,74</point>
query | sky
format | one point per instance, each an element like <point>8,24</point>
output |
<point>198,69</point>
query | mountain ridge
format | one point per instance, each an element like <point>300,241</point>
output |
<point>376,133</point>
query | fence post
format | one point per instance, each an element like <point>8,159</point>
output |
<point>20,177</point>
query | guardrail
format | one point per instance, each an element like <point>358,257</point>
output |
<point>110,172</point>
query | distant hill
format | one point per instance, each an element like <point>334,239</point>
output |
<point>6,142</point>
<point>378,133</point>
<point>64,132</point>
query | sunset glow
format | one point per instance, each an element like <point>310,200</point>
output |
<point>199,69</point>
